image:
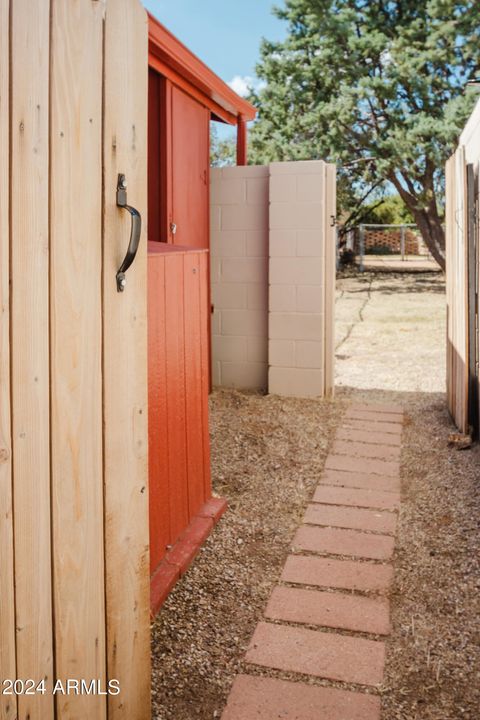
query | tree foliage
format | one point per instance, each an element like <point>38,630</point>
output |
<point>389,210</point>
<point>222,151</point>
<point>377,82</point>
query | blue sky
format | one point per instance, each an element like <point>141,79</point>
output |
<point>225,34</point>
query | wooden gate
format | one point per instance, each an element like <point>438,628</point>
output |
<point>462,261</point>
<point>74,571</point>
<point>457,289</point>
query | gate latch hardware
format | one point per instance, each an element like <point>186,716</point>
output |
<point>135,232</point>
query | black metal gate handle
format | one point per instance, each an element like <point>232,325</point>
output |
<point>134,233</point>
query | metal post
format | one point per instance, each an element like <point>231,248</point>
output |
<point>402,242</point>
<point>362,248</point>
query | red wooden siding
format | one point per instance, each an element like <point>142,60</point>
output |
<point>190,170</point>
<point>178,165</point>
<point>179,462</point>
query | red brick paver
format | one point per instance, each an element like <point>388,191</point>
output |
<point>374,416</point>
<point>349,517</point>
<point>361,449</point>
<point>357,497</point>
<point>360,480</point>
<point>364,436</point>
<point>377,407</point>
<point>363,465</point>
<point>329,609</point>
<point>373,427</point>
<point>263,698</point>
<point>334,573</point>
<point>336,541</point>
<point>327,655</point>
<point>352,514</point>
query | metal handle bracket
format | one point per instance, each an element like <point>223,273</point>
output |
<point>135,232</point>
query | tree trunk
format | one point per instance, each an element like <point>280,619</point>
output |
<point>427,219</point>
<point>432,233</point>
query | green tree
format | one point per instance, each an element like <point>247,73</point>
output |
<point>222,152</point>
<point>389,210</point>
<point>376,81</point>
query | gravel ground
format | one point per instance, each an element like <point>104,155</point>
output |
<point>267,455</point>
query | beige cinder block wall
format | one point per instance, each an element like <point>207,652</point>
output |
<point>302,277</point>
<point>239,276</point>
<point>273,277</point>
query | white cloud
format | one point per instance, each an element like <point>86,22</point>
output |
<point>242,84</point>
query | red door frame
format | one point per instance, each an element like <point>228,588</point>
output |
<point>170,58</point>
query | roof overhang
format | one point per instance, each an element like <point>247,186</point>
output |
<point>169,56</point>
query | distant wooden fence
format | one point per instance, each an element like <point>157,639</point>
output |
<point>74,575</point>
<point>462,264</point>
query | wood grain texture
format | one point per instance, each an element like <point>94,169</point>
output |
<point>125,365</point>
<point>322,256</point>
<point>190,170</point>
<point>457,289</point>
<point>193,382</point>
<point>76,345</point>
<point>30,28</point>
<point>461,292</point>
<point>330,273</point>
<point>176,409</point>
<point>158,472</point>
<point>206,366</point>
<point>449,197</point>
<point>8,705</point>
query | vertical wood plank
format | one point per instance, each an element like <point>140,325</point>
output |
<point>322,253</point>
<point>76,315</point>
<point>461,291</point>
<point>477,289</point>
<point>449,169</point>
<point>330,276</point>
<point>193,383</point>
<point>30,29</point>
<point>8,705</point>
<point>158,470</point>
<point>177,450</point>
<point>205,365</point>
<point>465,279</point>
<point>125,365</point>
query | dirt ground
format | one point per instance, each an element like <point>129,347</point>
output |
<point>267,455</point>
<point>390,331</point>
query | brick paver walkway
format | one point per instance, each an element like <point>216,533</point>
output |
<point>330,613</point>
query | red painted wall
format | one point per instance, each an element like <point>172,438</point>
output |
<point>190,170</point>
<point>178,165</point>
<point>178,375</point>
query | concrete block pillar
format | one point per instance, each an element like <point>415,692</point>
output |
<point>273,277</point>
<point>239,276</point>
<point>299,218</point>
